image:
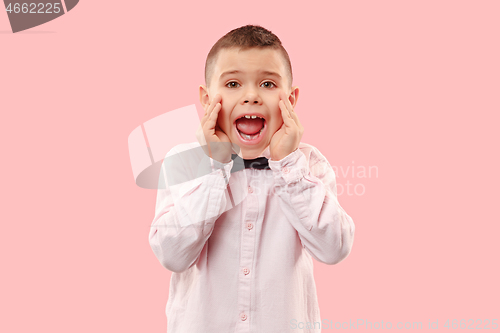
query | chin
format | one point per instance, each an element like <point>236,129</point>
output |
<point>253,151</point>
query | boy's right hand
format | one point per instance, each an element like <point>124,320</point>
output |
<point>214,141</point>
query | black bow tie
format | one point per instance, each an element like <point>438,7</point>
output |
<point>256,163</point>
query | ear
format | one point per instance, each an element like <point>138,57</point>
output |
<point>204,97</point>
<point>294,96</point>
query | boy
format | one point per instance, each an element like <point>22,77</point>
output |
<point>248,268</point>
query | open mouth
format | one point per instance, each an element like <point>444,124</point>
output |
<point>250,128</point>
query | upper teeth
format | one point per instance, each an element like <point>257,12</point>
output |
<point>253,117</point>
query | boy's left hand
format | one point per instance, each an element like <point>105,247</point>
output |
<point>288,137</point>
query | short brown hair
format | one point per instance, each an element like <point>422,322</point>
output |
<point>243,38</point>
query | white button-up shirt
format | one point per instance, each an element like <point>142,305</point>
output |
<point>248,267</point>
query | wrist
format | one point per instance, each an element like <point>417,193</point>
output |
<point>221,158</point>
<point>279,157</point>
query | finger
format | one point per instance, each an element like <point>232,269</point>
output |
<point>285,114</point>
<point>217,99</point>
<point>206,115</point>
<point>295,117</point>
<point>289,107</point>
<point>285,100</point>
<point>210,108</point>
<point>203,119</point>
<point>212,105</point>
<point>288,104</point>
<point>212,120</point>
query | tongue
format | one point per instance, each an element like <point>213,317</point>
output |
<point>249,126</point>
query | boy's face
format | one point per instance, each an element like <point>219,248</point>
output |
<point>249,83</point>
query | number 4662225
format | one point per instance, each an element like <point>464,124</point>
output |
<point>31,8</point>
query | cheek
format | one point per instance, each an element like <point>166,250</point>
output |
<point>223,118</point>
<point>274,124</point>
<point>273,106</point>
<point>272,99</point>
<point>277,119</point>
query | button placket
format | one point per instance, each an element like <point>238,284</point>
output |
<point>247,250</point>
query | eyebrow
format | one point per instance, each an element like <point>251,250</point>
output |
<point>269,73</point>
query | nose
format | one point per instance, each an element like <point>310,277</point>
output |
<point>251,97</point>
<point>252,100</point>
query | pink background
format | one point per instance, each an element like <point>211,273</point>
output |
<point>409,87</point>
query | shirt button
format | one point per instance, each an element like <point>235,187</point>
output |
<point>285,170</point>
<point>249,226</point>
<point>250,189</point>
<point>243,316</point>
<point>246,271</point>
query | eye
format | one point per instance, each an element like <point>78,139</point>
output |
<point>232,84</point>
<point>268,84</point>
